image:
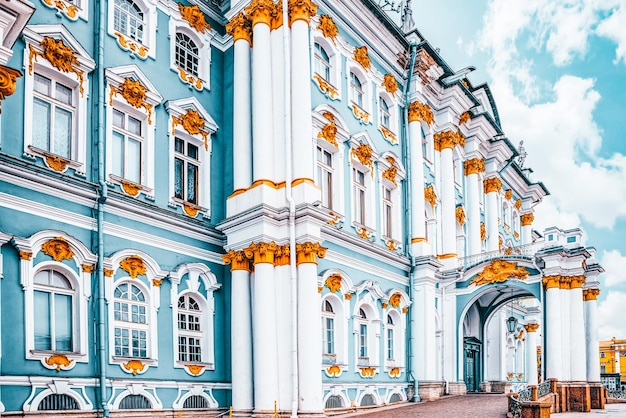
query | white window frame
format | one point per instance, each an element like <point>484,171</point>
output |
<point>370,194</point>
<point>334,60</point>
<point>372,327</point>
<point>399,331</point>
<point>366,88</point>
<point>202,41</point>
<point>396,199</point>
<point>329,314</point>
<point>392,127</point>
<point>147,46</point>
<point>323,171</point>
<point>33,35</point>
<point>116,76</point>
<point>130,325</point>
<point>198,334</point>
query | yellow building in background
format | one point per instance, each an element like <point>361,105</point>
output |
<point>613,363</point>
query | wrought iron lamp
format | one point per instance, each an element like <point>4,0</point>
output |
<point>511,324</point>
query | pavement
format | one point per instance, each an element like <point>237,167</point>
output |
<point>614,410</point>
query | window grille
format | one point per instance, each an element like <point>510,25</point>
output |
<point>367,400</point>
<point>334,401</point>
<point>135,402</point>
<point>196,401</point>
<point>58,402</point>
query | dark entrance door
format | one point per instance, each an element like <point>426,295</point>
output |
<point>472,349</point>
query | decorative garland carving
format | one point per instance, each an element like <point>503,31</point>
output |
<point>460,215</point>
<point>56,162</point>
<point>190,79</point>
<point>190,209</point>
<point>132,46</point>
<point>194,16</point>
<point>474,166</point>
<point>364,154</point>
<point>237,260</point>
<point>388,135</point>
<point>193,123</point>
<point>66,8</point>
<point>363,233</point>
<point>133,265</point>
<point>360,114</point>
<point>134,93</point>
<point>395,300</point>
<point>58,248</point>
<point>527,219</point>
<point>328,28</point>
<point>333,282</point>
<point>329,132</point>
<point>430,196</point>
<point>130,188</point>
<point>448,139</point>
<point>325,87</point>
<point>419,112</point>
<point>240,27</point>
<point>58,362</point>
<point>8,78</point>
<point>260,11</point>
<point>492,184</point>
<point>301,10</point>
<point>134,366</point>
<point>464,118</point>
<point>499,271</point>
<point>59,56</point>
<point>390,84</point>
<point>308,252</point>
<point>392,171</point>
<point>360,55</point>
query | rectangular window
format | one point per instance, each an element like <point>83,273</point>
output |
<point>359,196</point>
<point>189,349</point>
<point>387,213</point>
<point>325,176</point>
<point>390,355</point>
<point>330,336</point>
<point>186,168</point>
<point>43,334</point>
<point>127,147</point>
<point>356,90</point>
<point>363,340</point>
<point>53,116</point>
<point>130,343</point>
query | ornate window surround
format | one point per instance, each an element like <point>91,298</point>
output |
<point>194,390</point>
<point>370,182</point>
<point>120,392</point>
<point>390,133</point>
<point>35,62</point>
<point>400,317</point>
<point>384,165</point>
<point>147,48</point>
<point>366,86</point>
<point>58,386</point>
<point>333,91</point>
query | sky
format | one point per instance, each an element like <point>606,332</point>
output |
<point>557,70</point>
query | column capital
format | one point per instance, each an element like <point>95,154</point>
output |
<point>577,282</point>
<point>527,219</point>
<point>308,252</point>
<point>237,260</point>
<point>240,28</point>
<point>419,112</point>
<point>590,294</point>
<point>474,166</point>
<point>282,257</point>
<point>531,327</point>
<point>301,10</point>
<point>277,15</point>
<point>260,11</point>
<point>448,139</point>
<point>263,252</point>
<point>492,184</point>
<point>8,77</point>
<point>430,196</point>
<point>565,283</point>
<point>550,282</point>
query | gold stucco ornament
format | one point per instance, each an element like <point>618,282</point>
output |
<point>362,57</point>
<point>430,196</point>
<point>133,265</point>
<point>194,16</point>
<point>390,84</point>
<point>58,248</point>
<point>134,93</point>
<point>333,282</point>
<point>421,112</point>
<point>193,123</point>
<point>60,56</point>
<point>364,154</point>
<point>328,28</point>
<point>499,271</point>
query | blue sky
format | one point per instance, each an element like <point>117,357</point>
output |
<point>557,69</point>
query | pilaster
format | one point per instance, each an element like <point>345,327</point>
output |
<point>492,187</point>
<point>473,167</point>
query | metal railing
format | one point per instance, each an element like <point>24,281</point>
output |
<point>544,388</point>
<point>525,395</point>
<point>515,407</point>
<point>522,251</point>
<point>617,394</point>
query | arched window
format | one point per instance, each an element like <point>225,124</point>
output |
<point>189,330</point>
<point>130,321</point>
<point>328,317</point>
<point>395,398</point>
<point>135,402</point>
<point>58,402</point>
<point>356,90</point>
<point>334,401</point>
<point>368,400</point>
<point>322,62</point>
<point>187,54</point>
<point>362,334</point>
<point>325,172</point>
<point>390,338</point>
<point>384,112</point>
<point>128,19</point>
<point>196,401</point>
<point>54,312</point>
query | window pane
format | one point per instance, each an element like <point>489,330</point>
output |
<point>179,166</point>
<point>63,322</point>
<point>63,94</point>
<point>192,183</point>
<point>43,339</point>
<point>118,119</point>
<point>133,161</point>
<point>117,156</point>
<point>192,151</point>
<point>62,132</point>
<point>134,126</point>
<point>42,84</point>
<point>179,145</point>
<point>41,124</point>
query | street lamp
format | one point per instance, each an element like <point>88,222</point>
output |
<point>511,324</point>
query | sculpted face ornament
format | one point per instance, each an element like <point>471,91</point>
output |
<point>328,28</point>
<point>194,16</point>
<point>58,248</point>
<point>134,93</point>
<point>59,56</point>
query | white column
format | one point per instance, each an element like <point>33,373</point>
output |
<point>448,218</point>
<point>418,212</point>
<point>553,346</point>
<point>262,91</point>
<point>309,332</point>
<point>241,333</point>
<point>526,221</point>
<point>591,334</point>
<point>531,354</point>
<point>423,349</point>
<point>578,359</point>
<point>473,192</point>
<point>264,332</point>
<point>242,133</point>
<point>450,337</point>
<point>566,371</point>
<point>278,83</point>
<point>492,187</point>
<point>284,325</point>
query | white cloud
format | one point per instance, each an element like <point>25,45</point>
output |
<point>614,263</point>
<point>611,316</point>
<point>613,28</point>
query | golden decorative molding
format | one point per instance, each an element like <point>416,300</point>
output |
<point>418,240</point>
<point>58,361</point>
<point>260,11</point>
<point>384,305</point>
<point>308,252</point>
<point>516,235</point>
<point>240,28</point>
<point>419,112</point>
<point>195,369</point>
<point>130,188</point>
<point>193,123</point>
<point>361,56</point>
<point>363,233</point>
<point>333,371</point>
<point>194,16</point>
<point>388,135</point>
<point>577,282</point>
<point>132,46</point>
<point>448,139</point>
<point>518,204</point>
<point>190,79</point>
<point>395,300</point>
<point>59,56</point>
<point>405,309</point>
<point>319,289</point>
<point>430,196</point>
<point>333,282</point>
<point>590,294</point>
<point>8,78</point>
<point>464,118</point>
<point>108,272</point>
<point>157,282</point>
<point>301,10</point>
<point>277,15</point>
<point>391,245</point>
<point>492,184</point>
<point>531,327</point>
<point>64,7</point>
<point>483,231</point>
<point>394,373</point>
<point>446,256</point>
<point>282,256</point>
<point>391,173</point>
<point>499,271</point>
<point>88,268</point>
<point>58,248</point>
<point>134,266</point>
<point>134,366</point>
<point>190,209</point>
<point>364,154</point>
<point>134,93</point>
<point>329,132</point>
<point>325,87</point>
<point>360,114</point>
<point>262,252</point>
<point>328,28</point>
<point>334,221</point>
<point>367,371</point>
<point>527,219</point>
<point>474,166</point>
<point>390,84</point>
<point>56,162</point>
<point>550,282</point>
<point>565,282</point>
<point>508,194</point>
<point>347,296</point>
<point>460,215</point>
<point>237,260</point>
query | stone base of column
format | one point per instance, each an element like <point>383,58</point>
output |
<point>242,413</point>
<point>430,390</point>
<point>598,395</point>
<point>457,388</point>
<point>261,192</point>
<point>500,386</point>
<point>574,397</point>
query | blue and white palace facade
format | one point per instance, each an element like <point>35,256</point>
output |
<point>289,207</point>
